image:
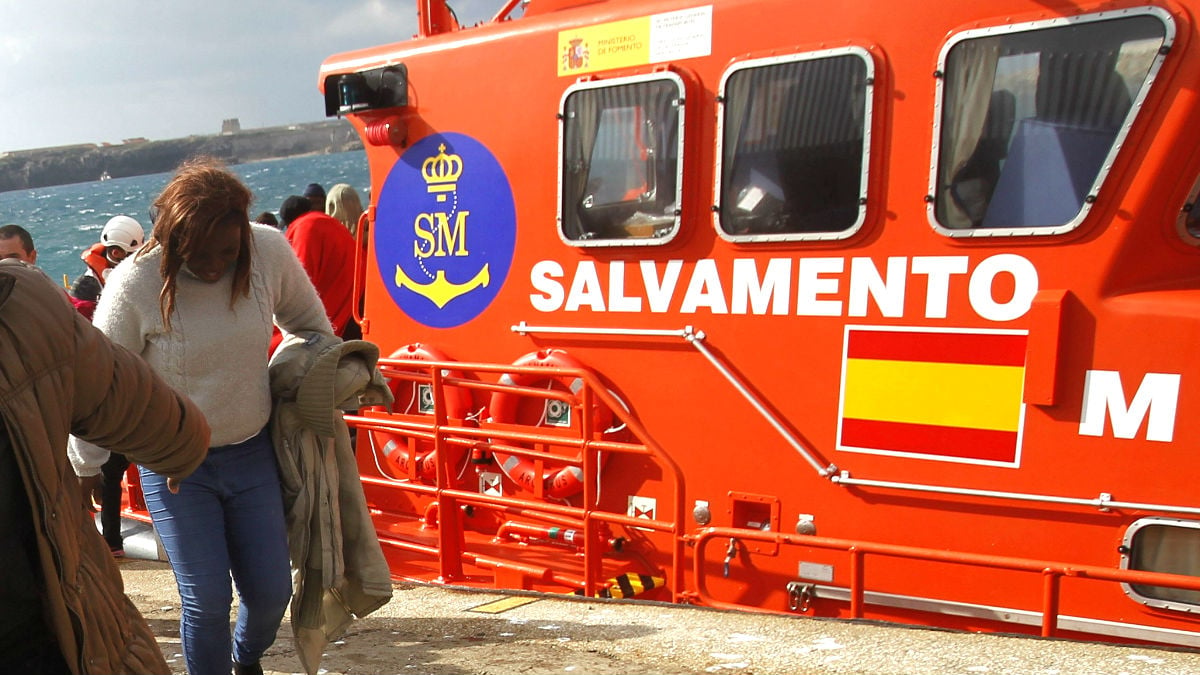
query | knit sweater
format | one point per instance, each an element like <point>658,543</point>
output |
<point>215,354</point>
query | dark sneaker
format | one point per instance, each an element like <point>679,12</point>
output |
<point>243,669</point>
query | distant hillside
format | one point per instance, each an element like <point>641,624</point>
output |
<point>81,163</point>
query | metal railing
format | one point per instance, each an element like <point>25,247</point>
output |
<point>1052,573</point>
<point>513,439</point>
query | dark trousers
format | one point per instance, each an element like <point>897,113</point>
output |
<point>44,658</point>
<point>110,512</point>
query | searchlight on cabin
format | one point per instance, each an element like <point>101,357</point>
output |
<point>373,89</point>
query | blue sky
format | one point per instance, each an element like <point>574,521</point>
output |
<point>99,72</point>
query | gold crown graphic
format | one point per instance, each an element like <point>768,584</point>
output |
<point>441,172</point>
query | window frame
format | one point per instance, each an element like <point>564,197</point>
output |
<point>681,100</point>
<point>1189,207</point>
<point>868,117</point>
<point>1127,558</point>
<point>1118,142</point>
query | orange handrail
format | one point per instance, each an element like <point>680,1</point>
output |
<point>1051,572</point>
<point>507,437</point>
<point>506,10</point>
<point>360,266</point>
<point>434,17</point>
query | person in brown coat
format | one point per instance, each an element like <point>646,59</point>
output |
<point>62,603</point>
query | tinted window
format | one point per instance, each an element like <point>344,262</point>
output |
<point>1029,119</point>
<point>1189,217</point>
<point>1166,548</point>
<point>792,147</point>
<point>620,163</point>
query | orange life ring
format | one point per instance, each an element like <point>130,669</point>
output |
<point>506,407</point>
<point>415,398</point>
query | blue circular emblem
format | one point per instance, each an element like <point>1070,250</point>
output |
<point>445,230</point>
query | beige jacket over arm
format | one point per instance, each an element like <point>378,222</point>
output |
<point>337,562</point>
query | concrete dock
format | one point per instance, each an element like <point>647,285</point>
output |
<point>435,630</point>
<point>438,630</point>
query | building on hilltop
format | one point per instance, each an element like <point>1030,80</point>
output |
<point>230,126</point>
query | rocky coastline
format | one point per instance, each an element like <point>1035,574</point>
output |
<point>44,167</point>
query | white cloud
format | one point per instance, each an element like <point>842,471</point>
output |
<point>97,72</point>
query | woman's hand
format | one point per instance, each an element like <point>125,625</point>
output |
<point>90,491</point>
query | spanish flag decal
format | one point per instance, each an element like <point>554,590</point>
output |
<point>933,394</point>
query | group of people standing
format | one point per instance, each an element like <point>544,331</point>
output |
<point>198,301</point>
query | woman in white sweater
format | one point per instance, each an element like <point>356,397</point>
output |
<point>198,303</point>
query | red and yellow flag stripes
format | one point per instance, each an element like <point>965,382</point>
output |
<point>950,395</point>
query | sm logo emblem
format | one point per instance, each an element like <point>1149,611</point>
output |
<point>445,229</point>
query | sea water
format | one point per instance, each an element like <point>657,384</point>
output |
<point>66,219</point>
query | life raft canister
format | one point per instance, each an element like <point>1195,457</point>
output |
<point>416,398</point>
<point>512,408</point>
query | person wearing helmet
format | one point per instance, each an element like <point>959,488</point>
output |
<point>120,237</point>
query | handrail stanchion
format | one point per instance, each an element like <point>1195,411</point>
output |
<point>857,577</point>
<point>450,527</point>
<point>1050,593</point>
<point>591,534</point>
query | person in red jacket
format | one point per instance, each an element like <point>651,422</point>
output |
<point>326,250</point>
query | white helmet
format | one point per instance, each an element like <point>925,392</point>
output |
<point>123,232</point>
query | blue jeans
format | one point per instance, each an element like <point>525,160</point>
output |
<point>227,520</point>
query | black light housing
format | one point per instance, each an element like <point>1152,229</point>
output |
<point>374,89</point>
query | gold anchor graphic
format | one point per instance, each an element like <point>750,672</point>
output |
<point>439,291</point>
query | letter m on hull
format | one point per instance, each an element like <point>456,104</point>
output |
<point>1104,398</point>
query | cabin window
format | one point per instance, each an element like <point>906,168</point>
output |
<point>1031,117</point>
<point>793,151</point>
<point>621,148</point>
<point>1163,545</point>
<point>1189,216</point>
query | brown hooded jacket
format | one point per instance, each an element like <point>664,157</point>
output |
<point>59,375</point>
